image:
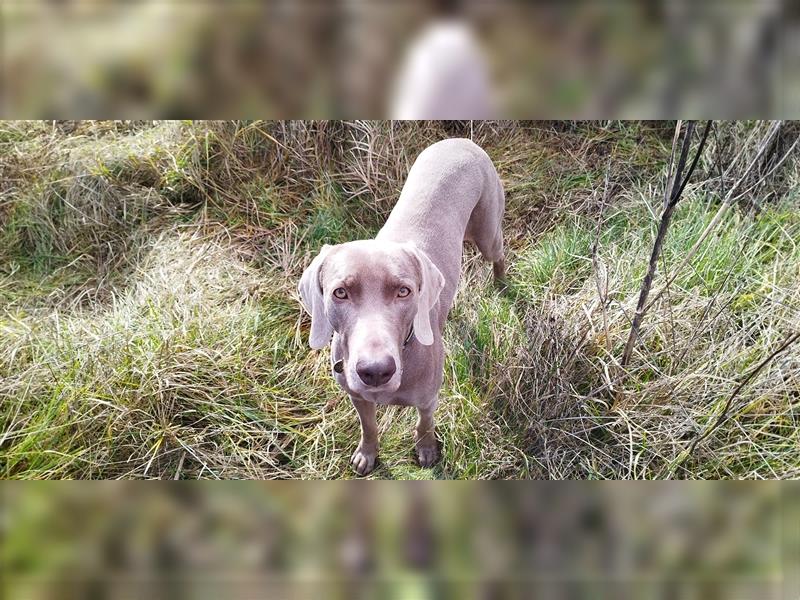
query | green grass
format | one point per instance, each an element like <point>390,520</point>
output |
<point>150,326</point>
<point>558,262</point>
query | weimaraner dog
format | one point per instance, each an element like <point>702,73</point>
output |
<point>385,301</point>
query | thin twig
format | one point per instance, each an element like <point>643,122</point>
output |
<point>601,292</point>
<point>791,339</point>
<point>679,181</point>
<point>726,205</point>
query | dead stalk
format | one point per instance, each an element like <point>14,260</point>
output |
<point>791,339</point>
<point>602,287</point>
<point>726,205</point>
<point>679,181</point>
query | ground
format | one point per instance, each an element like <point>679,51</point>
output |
<point>150,326</point>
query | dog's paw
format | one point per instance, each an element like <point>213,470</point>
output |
<point>363,460</point>
<point>427,450</point>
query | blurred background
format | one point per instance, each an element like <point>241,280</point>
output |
<point>400,540</point>
<point>351,58</point>
<point>412,59</point>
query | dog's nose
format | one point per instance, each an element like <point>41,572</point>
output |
<point>376,372</point>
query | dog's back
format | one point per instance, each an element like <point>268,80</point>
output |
<point>452,194</point>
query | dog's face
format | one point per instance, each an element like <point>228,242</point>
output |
<point>371,293</point>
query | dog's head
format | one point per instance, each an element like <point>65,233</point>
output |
<point>371,293</point>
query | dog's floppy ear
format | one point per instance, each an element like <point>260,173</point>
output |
<point>310,290</point>
<point>432,283</point>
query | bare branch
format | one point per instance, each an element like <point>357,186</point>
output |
<point>791,339</point>
<point>679,181</point>
<point>726,205</point>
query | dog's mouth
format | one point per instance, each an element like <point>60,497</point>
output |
<point>389,386</point>
<point>357,385</point>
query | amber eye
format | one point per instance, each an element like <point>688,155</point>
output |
<point>403,292</point>
<point>340,293</point>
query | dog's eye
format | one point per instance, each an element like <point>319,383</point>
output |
<point>403,292</point>
<point>340,293</point>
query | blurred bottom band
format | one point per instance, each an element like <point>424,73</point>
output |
<point>400,540</point>
<point>402,588</point>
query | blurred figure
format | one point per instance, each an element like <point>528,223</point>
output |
<point>337,59</point>
<point>444,75</point>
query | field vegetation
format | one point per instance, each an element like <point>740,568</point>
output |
<point>150,326</point>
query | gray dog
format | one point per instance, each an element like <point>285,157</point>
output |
<point>385,301</point>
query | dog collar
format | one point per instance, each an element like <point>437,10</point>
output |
<point>338,366</point>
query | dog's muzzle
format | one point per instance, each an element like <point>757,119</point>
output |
<point>338,366</point>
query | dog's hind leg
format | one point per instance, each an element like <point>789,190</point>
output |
<point>499,270</point>
<point>494,254</point>
<point>485,229</point>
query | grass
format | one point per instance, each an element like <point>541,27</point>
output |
<point>150,327</point>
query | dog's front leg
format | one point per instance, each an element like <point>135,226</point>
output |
<point>364,457</point>
<point>425,437</point>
